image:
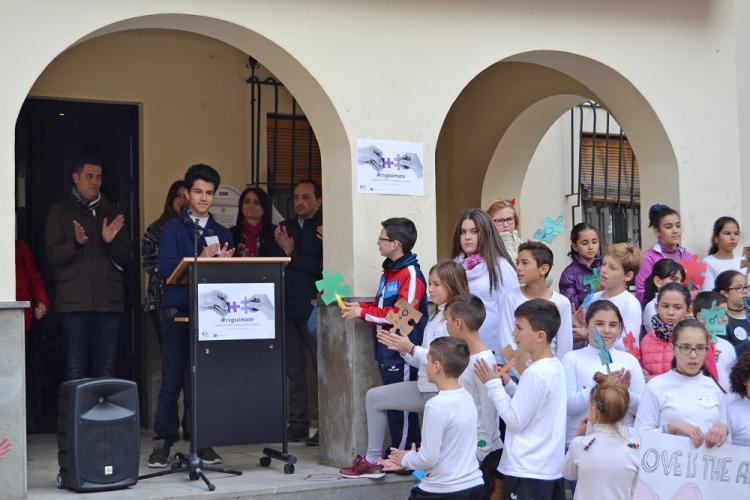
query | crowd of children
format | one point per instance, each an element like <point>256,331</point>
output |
<point>510,375</point>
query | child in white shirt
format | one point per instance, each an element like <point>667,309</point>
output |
<point>686,401</point>
<point>532,460</point>
<point>724,241</point>
<point>533,265</point>
<point>464,316</point>
<point>446,280</point>
<point>604,463</point>
<point>620,264</point>
<point>449,431</point>
<point>602,318</point>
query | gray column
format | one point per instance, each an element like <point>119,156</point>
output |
<point>13,399</point>
<point>346,370</point>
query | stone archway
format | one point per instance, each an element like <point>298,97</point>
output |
<point>497,121</point>
<point>320,111</point>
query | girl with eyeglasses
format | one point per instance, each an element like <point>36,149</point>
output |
<point>655,350</point>
<point>733,285</point>
<point>505,218</point>
<point>686,401</point>
<point>724,240</point>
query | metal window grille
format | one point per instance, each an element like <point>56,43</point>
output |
<point>604,175</point>
<point>292,151</point>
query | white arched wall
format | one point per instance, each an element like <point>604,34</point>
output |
<point>334,144</point>
<point>522,101</point>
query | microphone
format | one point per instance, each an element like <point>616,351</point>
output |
<point>194,224</point>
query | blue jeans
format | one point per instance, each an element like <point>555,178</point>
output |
<point>90,335</point>
<point>175,351</point>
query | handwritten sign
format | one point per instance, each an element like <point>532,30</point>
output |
<point>671,469</point>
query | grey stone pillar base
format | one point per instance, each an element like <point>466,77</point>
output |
<point>346,370</point>
<point>13,399</point>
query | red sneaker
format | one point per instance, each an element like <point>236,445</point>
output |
<point>362,468</point>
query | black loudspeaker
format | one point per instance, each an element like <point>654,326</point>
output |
<point>98,434</point>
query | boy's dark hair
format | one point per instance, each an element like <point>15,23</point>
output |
<point>468,308</point>
<point>452,353</point>
<point>541,253</point>
<point>87,159</point>
<point>318,191</point>
<point>541,315</point>
<point>202,172</point>
<point>704,300</point>
<point>402,230</point>
<point>724,280</point>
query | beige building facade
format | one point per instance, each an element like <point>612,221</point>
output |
<point>478,82</point>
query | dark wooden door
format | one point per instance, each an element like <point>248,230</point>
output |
<point>51,136</point>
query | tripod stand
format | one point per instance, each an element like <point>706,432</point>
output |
<point>192,463</point>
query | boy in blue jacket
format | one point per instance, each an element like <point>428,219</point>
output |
<point>401,279</point>
<point>175,243</point>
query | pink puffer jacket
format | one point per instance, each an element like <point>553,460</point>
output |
<point>655,354</point>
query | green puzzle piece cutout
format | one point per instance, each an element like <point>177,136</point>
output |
<point>604,356</point>
<point>331,285</point>
<point>714,318</point>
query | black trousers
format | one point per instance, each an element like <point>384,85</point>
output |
<point>297,343</point>
<point>522,488</point>
<point>475,493</point>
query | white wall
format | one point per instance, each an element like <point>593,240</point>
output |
<point>393,69</point>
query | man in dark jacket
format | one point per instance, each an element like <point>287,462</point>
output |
<point>301,238</point>
<point>88,248</point>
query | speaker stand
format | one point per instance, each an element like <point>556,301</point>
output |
<point>193,465</point>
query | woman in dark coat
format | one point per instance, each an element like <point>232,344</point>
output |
<point>253,232</point>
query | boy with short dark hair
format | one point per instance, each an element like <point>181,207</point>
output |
<point>533,265</point>
<point>464,316</point>
<point>401,279</point>
<point>447,454</point>
<point>535,417</point>
<point>176,242</point>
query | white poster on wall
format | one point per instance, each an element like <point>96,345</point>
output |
<point>225,206</point>
<point>390,167</point>
<point>672,469</point>
<point>236,311</point>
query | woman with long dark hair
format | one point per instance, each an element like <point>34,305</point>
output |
<point>489,269</point>
<point>253,232</point>
<point>150,252</point>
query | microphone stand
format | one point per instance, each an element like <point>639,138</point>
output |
<point>192,463</point>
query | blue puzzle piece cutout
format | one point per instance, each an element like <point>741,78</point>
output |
<point>549,229</point>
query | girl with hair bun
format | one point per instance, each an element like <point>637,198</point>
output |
<point>668,228</point>
<point>589,461</point>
